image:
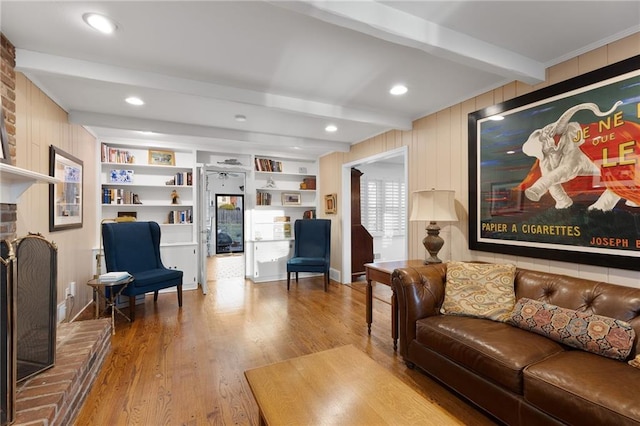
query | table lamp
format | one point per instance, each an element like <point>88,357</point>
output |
<point>434,205</point>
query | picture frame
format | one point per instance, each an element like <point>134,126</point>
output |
<point>162,158</point>
<point>66,197</point>
<point>5,154</point>
<point>552,174</point>
<point>291,199</point>
<point>331,204</point>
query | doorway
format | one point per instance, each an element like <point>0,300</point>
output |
<point>221,230</point>
<point>388,244</point>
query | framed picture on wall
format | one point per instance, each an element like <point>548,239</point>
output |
<point>65,198</point>
<point>555,174</point>
<point>331,204</point>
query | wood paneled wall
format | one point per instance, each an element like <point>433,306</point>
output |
<point>39,124</point>
<point>438,158</point>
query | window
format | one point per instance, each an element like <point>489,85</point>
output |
<point>383,205</point>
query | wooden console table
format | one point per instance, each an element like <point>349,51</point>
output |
<point>381,272</point>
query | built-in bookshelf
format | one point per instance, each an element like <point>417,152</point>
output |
<point>154,185</point>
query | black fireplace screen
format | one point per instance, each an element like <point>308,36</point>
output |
<point>36,265</point>
<point>28,272</point>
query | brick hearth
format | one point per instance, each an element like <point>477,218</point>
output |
<point>55,396</point>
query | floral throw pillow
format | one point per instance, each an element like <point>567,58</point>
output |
<point>482,290</point>
<point>598,334</point>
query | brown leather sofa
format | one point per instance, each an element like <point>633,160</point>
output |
<point>519,377</point>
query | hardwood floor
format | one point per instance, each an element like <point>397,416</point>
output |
<point>186,366</point>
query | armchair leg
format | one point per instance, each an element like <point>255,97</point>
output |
<point>180,295</point>
<point>326,281</point>
<point>288,280</point>
<point>296,278</point>
<point>132,308</point>
<point>155,296</point>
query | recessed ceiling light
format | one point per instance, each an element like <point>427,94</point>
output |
<point>331,128</point>
<point>134,101</point>
<point>145,132</point>
<point>100,22</point>
<point>398,89</point>
<point>240,118</point>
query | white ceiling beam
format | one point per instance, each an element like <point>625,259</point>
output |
<point>86,118</point>
<point>27,61</point>
<point>393,25</point>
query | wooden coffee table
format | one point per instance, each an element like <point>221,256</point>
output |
<point>340,386</point>
<point>381,272</point>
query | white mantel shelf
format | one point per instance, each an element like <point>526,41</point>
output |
<point>14,181</point>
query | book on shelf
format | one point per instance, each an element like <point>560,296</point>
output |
<point>182,178</point>
<point>263,198</point>
<point>266,165</point>
<point>114,276</point>
<point>179,216</point>
<point>118,196</point>
<point>110,154</point>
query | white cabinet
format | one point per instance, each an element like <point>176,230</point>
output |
<point>268,259</point>
<point>182,257</point>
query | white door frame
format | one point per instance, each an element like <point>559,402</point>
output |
<point>346,203</point>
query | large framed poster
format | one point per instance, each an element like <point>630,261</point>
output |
<point>555,174</point>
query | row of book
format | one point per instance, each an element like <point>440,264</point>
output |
<point>119,196</point>
<point>180,216</point>
<point>263,199</point>
<point>266,165</point>
<point>115,155</point>
<point>182,178</point>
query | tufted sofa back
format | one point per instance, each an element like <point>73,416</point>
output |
<point>582,295</point>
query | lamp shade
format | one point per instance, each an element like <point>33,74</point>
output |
<point>435,205</point>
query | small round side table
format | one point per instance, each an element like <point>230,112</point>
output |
<point>116,288</point>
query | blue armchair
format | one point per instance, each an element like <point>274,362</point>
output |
<point>312,250</point>
<point>135,247</point>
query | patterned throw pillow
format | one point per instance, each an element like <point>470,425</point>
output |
<point>601,335</point>
<point>482,290</point>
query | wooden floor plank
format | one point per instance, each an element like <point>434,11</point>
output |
<point>186,366</point>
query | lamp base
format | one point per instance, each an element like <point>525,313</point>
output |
<point>433,243</point>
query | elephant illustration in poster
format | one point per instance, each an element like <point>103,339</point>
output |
<point>606,151</point>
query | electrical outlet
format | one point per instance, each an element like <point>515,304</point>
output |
<point>67,292</point>
<point>73,288</point>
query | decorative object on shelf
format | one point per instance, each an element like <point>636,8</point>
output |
<point>433,205</point>
<point>121,176</point>
<point>308,183</point>
<point>136,199</point>
<point>162,158</point>
<point>270,183</point>
<point>290,198</point>
<point>331,204</point>
<point>65,198</point>
<point>171,181</point>
<point>175,198</point>
<point>231,162</point>
<point>302,170</point>
<point>282,219</point>
<point>128,214</point>
<point>309,214</point>
<point>5,155</point>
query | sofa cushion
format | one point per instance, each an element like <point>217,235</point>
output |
<point>493,350</point>
<point>589,332</point>
<point>480,290</point>
<point>582,388</point>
